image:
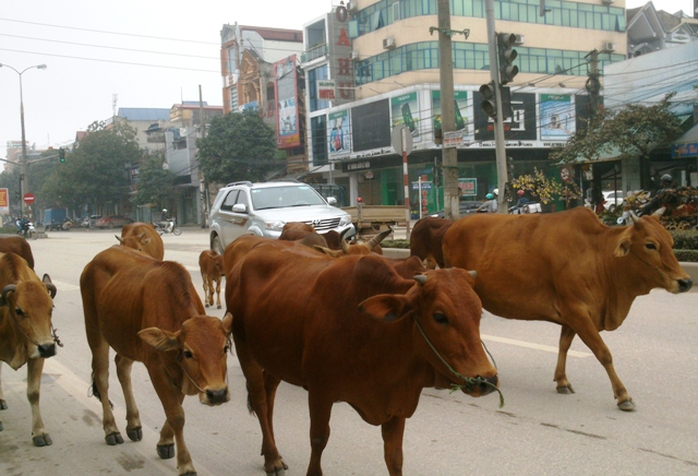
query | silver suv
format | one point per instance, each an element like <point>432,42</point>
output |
<point>246,208</point>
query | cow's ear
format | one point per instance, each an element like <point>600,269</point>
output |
<point>227,323</point>
<point>385,307</point>
<point>624,242</point>
<point>146,241</point>
<point>162,340</point>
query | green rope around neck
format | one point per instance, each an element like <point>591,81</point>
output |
<point>470,383</point>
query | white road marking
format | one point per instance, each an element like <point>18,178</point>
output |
<point>531,345</point>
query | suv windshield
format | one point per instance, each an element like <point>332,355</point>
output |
<point>282,197</point>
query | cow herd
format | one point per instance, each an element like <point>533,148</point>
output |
<point>339,319</point>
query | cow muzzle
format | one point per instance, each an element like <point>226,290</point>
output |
<point>685,285</point>
<point>214,396</point>
<point>46,350</point>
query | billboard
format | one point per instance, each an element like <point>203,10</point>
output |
<point>557,121</point>
<point>370,126</point>
<point>286,89</point>
<point>341,67</point>
<point>463,118</point>
<point>4,201</point>
<point>339,142</point>
<point>405,110</point>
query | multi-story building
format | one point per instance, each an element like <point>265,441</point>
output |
<point>380,61</point>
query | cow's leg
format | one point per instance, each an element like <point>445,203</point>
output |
<point>35,367</point>
<point>320,412</point>
<point>204,277</point>
<point>3,403</point>
<point>100,375</point>
<point>393,431</point>
<point>218,293</point>
<point>566,337</point>
<point>257,401</point>
<point>171,398</point>
<point>591,337</point>
<point>133,419</point>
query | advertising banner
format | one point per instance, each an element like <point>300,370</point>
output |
<point>339,134</point>
<point>405,110</point>
<point>286,86</point>
<point>4,201</point>
<point>556,117</point>
<point>370,126</point>
<point>462,111</point>
<point>521,126</point>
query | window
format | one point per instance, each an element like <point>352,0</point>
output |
<point>313,76</point>
<point>318,131</point>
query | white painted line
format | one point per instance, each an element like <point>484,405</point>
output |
<point>530,345</point>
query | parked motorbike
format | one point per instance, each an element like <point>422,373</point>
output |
<point>166,227</point>
<point>525,209</point>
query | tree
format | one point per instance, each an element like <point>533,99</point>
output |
<point>155,183</point>
<point>96,172</point>
<point>635,130</point>
<point>238,146</point>
<point>546,189</point>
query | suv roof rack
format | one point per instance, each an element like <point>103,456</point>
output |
<point>241,182</point>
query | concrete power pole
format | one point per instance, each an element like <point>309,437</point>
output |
<point>448,113</point>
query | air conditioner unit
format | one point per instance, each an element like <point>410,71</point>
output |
<point>607,2</point>
<point>351,6</point>
<point>609,46</point>
<point>388,43</point>
<point>519,40</point>
<point>353,55</point>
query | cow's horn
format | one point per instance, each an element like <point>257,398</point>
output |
<point>141,236</point>
<point>51,289</point>
<point>375,241</point>
<point>659,212</point>
<point>421,279</point>
<point>7,289</point>
<point>633,217</point>
<point>121,240</point>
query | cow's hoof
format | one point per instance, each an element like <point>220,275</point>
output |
<point>190,473</point>
<point>565,390</point>
<point>166,451</point>
<point>1,427</point>
<point>627,406</point>
<point>278,471</point>
<point>3,404</point>
<point>206,305</point>
<point>43,440</point>
<point>114,439</point>
<point>219,307</point>
<point>135,434</point>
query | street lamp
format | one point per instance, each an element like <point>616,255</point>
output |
<point>25,170</point>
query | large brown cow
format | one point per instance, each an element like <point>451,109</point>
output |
<point>426,240</point>
<point>143,237</point>
<point>148,311</point>
<point>567,268</point>
<point>356,332</point>
<point>211,267</point>
<point>17,245</point>
<point>26,333</point>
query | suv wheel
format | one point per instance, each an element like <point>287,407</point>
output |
<point>216,245</point>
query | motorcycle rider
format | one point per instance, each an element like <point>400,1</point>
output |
<point>490,206</point>
<point>165,221</point>
<point>520,203</point>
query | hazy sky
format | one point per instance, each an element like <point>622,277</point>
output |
<point>150,54</point>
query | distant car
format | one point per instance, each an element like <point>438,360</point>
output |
<point>113,221</point>
<point>612,200</point>
<point>89,222</point>
<point>466,207</point>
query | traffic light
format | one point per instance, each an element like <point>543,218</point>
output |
<point>489,104</point>
<point>61,154</point>
<point>507,111</point>
<point>507,55</point>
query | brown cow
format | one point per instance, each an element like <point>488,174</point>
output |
<point>355,332</point>
<point>426,240</point>
<point>26,333</point>
<point>148,311</point>
<point>211,267</point>
<point>567,268</point>
<point>143,237</point>
<point>17,245</point>
<point>302,233</point>
<point>372,245</point>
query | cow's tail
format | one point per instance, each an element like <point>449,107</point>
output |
<point>249,401</point>
<point>94,392</point>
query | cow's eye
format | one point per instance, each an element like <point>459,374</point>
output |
<point>226,349</point>
<point>440,318</point>
<point>19,312</point>
<point>187,354</point>
<point>651,246</point>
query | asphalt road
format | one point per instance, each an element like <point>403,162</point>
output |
<point>537,432</point>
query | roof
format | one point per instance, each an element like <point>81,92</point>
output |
<point>144,113</point>
<point>278,34</point>
<point>690,135</point>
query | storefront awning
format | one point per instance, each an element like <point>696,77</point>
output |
<point>613,155</point>
<point>686,145</point>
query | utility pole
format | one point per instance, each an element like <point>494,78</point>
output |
<point>448,113</point>
<point>500,151</point>
<point>593,85</point>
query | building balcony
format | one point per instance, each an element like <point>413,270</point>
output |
<point>315,52</point>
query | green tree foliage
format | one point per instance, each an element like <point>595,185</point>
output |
<point>155,183</point>
<point>96,172</point>
<point>634,130</point>
<point>238,146</point>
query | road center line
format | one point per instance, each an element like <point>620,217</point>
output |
<point>531,345</point>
